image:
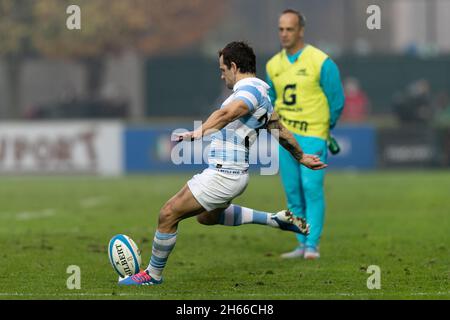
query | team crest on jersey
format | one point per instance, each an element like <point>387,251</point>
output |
<point>302,72</point>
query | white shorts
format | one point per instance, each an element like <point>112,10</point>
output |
<point>214,189</point>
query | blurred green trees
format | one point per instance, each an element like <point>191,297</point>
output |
<point>38,28</point>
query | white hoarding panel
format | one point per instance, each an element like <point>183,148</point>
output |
<point>61,148</point>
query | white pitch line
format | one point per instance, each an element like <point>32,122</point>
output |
<point>345,294</point>
<point>29,215</point>
<point>93,202</point>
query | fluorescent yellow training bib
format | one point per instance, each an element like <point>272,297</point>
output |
<point>301,102</point>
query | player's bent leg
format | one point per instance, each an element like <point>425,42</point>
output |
<point>179,207</point>
<point>236,215</point>
<point>209,218</point>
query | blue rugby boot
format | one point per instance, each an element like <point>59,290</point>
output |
<point>142,278</point>
<point>287,221</point>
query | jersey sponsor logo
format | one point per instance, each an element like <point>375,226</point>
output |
<point>290,109</point>
<point>302,72</point>
<point>289,96</point>
<point>299,125</point>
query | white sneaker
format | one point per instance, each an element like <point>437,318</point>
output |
<point>296,253</point>
<point>312,253</point>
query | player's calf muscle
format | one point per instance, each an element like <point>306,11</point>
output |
<point>168,219</point>
<point>204,219</point>
<point>208,218</point>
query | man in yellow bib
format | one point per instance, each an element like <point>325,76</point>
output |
<point>307,93</point>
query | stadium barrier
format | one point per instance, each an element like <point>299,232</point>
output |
<point>358,148</point>
<point>409,147</point>
<point>149,150</point>
<point>111,148</point>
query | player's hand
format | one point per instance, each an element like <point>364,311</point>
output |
<point>189,136</point>
<point>313,162</point>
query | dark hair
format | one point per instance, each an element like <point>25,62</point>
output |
<point>241,54</point>
<point>301,17</point>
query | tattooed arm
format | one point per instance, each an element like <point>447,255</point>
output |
<point>288,141</point>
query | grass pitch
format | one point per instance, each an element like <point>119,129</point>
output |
<point>399,221</point>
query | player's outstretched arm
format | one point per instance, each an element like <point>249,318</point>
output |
<point>218,120</point>
<point>287,140</point>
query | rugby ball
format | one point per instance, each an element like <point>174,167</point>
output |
<point>124,255</point>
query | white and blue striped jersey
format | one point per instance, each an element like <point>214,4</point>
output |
<point>230,146</point>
